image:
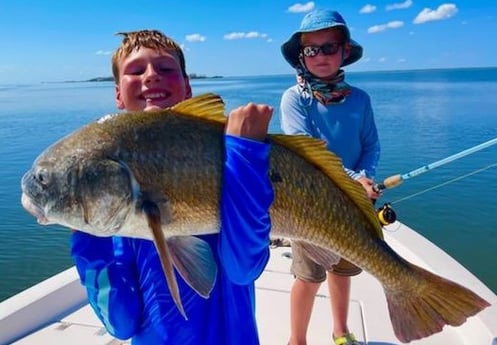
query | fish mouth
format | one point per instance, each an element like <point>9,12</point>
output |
<point>34,209</point>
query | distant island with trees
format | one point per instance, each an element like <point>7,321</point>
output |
<point>191,75</point>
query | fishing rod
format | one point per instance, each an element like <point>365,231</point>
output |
<point>386,214</point>
<point>395,180</point>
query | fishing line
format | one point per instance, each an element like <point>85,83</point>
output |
<point>395,180</point>
<point>444,184</point>
<point>386,214</point>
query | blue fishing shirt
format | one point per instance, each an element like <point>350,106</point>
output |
<point>127,289</point>
<point>348,128</point>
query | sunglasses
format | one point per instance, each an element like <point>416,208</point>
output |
<point>326,49</point>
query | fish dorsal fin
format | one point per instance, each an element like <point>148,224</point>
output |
<point>315,151</point>
<point>207,106</point>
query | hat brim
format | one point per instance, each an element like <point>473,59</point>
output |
<point>291,50</point>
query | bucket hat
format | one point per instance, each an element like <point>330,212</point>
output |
<point>314,21</point>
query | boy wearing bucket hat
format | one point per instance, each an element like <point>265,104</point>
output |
<point>324,106</point>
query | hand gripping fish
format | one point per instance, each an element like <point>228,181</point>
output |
<point>157,175</point>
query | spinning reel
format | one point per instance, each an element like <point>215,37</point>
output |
<point>386,214</point>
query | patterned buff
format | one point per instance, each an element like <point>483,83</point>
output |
<point>331,91</point>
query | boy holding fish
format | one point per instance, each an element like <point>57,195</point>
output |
<point>324,106</point>
<point>124,276</point>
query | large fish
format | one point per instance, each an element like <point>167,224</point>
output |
<point>157,175</point>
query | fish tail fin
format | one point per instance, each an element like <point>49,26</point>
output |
<point>438,302</point>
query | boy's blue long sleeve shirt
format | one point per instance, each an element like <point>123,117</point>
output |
<point>348,128</point>
<point>126,285</point>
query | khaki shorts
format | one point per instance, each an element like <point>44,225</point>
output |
<point>306,269</point>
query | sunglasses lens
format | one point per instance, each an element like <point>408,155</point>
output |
<point>310,51</point>
<point>330,48</point>
<point>326,49</point>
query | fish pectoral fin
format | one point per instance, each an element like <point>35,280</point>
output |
<point>320,255</point>
<point>161,201</point>
<point>152,213</point>
<point>195,262</point>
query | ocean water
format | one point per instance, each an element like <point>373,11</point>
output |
<point>422,117</point>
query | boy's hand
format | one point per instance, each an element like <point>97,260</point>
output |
<point>368,185</point>
<point>250,121</point>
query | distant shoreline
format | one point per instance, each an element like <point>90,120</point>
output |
<point>349,73</point>
<point>100,79</point>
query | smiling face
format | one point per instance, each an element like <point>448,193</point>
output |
<point>151,79</point>
<point>321,65</point>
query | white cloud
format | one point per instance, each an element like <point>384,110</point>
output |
<point>195,38</point>
<point>102,52</point>
<point>382,59</point>
<point>242,35</point>
<point>391,25</point>
<point>444,11</point>
<point>234,36</point>
<point>255,34</point>
<point>368,9</point>
<point>399,6</point>
<point>299,8</point>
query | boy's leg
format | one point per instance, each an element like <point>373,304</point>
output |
<point>301,303</point>
<point>339,283</point>
<point>339,289</point>
<point>308,277</point>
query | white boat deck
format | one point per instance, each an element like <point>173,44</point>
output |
<point>54,311</point>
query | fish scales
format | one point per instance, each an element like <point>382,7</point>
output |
<point>163,155</point>
<point>158,176</point>
<point>305,199</point>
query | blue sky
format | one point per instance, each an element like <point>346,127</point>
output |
<point>56,40</point>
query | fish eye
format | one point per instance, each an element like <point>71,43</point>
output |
<point>42,176</point>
